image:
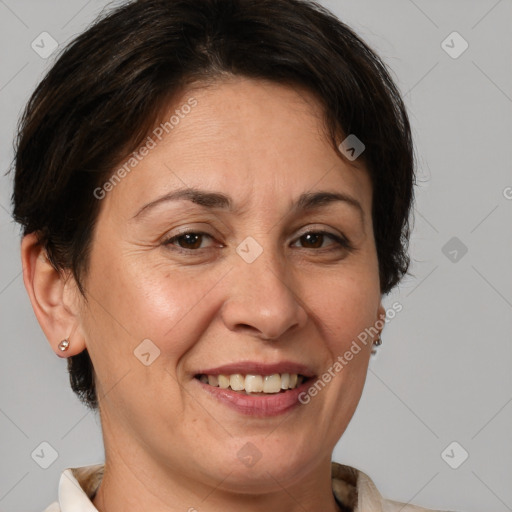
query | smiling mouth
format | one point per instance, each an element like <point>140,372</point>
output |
<point>251,384</point>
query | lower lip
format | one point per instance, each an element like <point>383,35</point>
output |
<point>255,405</point>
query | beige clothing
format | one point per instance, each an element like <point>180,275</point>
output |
<point>354,491</point>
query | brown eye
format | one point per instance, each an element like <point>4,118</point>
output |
<point>190,240</point>
<point>315,240</point>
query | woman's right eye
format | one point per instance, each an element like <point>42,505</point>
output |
<point>189,240</point>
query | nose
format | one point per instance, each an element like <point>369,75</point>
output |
<point>263,300</point>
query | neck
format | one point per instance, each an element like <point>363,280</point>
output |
<point>138,476</point>
<point>130,487</point>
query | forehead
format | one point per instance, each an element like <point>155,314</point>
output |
<point>258,141</point>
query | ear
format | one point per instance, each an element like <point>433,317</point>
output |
<point>54,297</point>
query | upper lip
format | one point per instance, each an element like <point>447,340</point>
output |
<point>258,368</point>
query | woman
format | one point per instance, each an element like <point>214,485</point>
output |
<point>214,197</point>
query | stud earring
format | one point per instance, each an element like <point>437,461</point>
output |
<point>378,342</point>
<point>64,345</point>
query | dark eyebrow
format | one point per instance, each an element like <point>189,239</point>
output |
<point>217,200</point>
<point>312,200</point>
<point>201,197</point>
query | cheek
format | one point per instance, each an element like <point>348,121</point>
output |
<point>142,300</point>
<point>346,307</point>
<point>135,302</point>
<point>346,312</point>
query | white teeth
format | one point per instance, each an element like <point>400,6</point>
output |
<point>224,381</point>
<point>272,383</point>
<point>254,383</point>
<point>237,382</point>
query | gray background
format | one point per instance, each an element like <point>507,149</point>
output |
<point>443,371</point>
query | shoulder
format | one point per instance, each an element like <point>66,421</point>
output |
<point>89,478</point>
<point>355,491</point>
<point>54,507</point>
<point>77,488</point>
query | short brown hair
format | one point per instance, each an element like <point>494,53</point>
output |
<point>110,85</point>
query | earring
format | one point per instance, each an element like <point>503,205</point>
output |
<point>378,341</point>
<point>64,345</point>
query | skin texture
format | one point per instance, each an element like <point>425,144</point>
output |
<point>169,445</point>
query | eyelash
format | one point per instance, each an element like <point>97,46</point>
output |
<point>342,242</point>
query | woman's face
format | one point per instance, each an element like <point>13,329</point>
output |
<point>247,291</point>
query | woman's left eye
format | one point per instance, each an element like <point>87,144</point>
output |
<point>316,238</point>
